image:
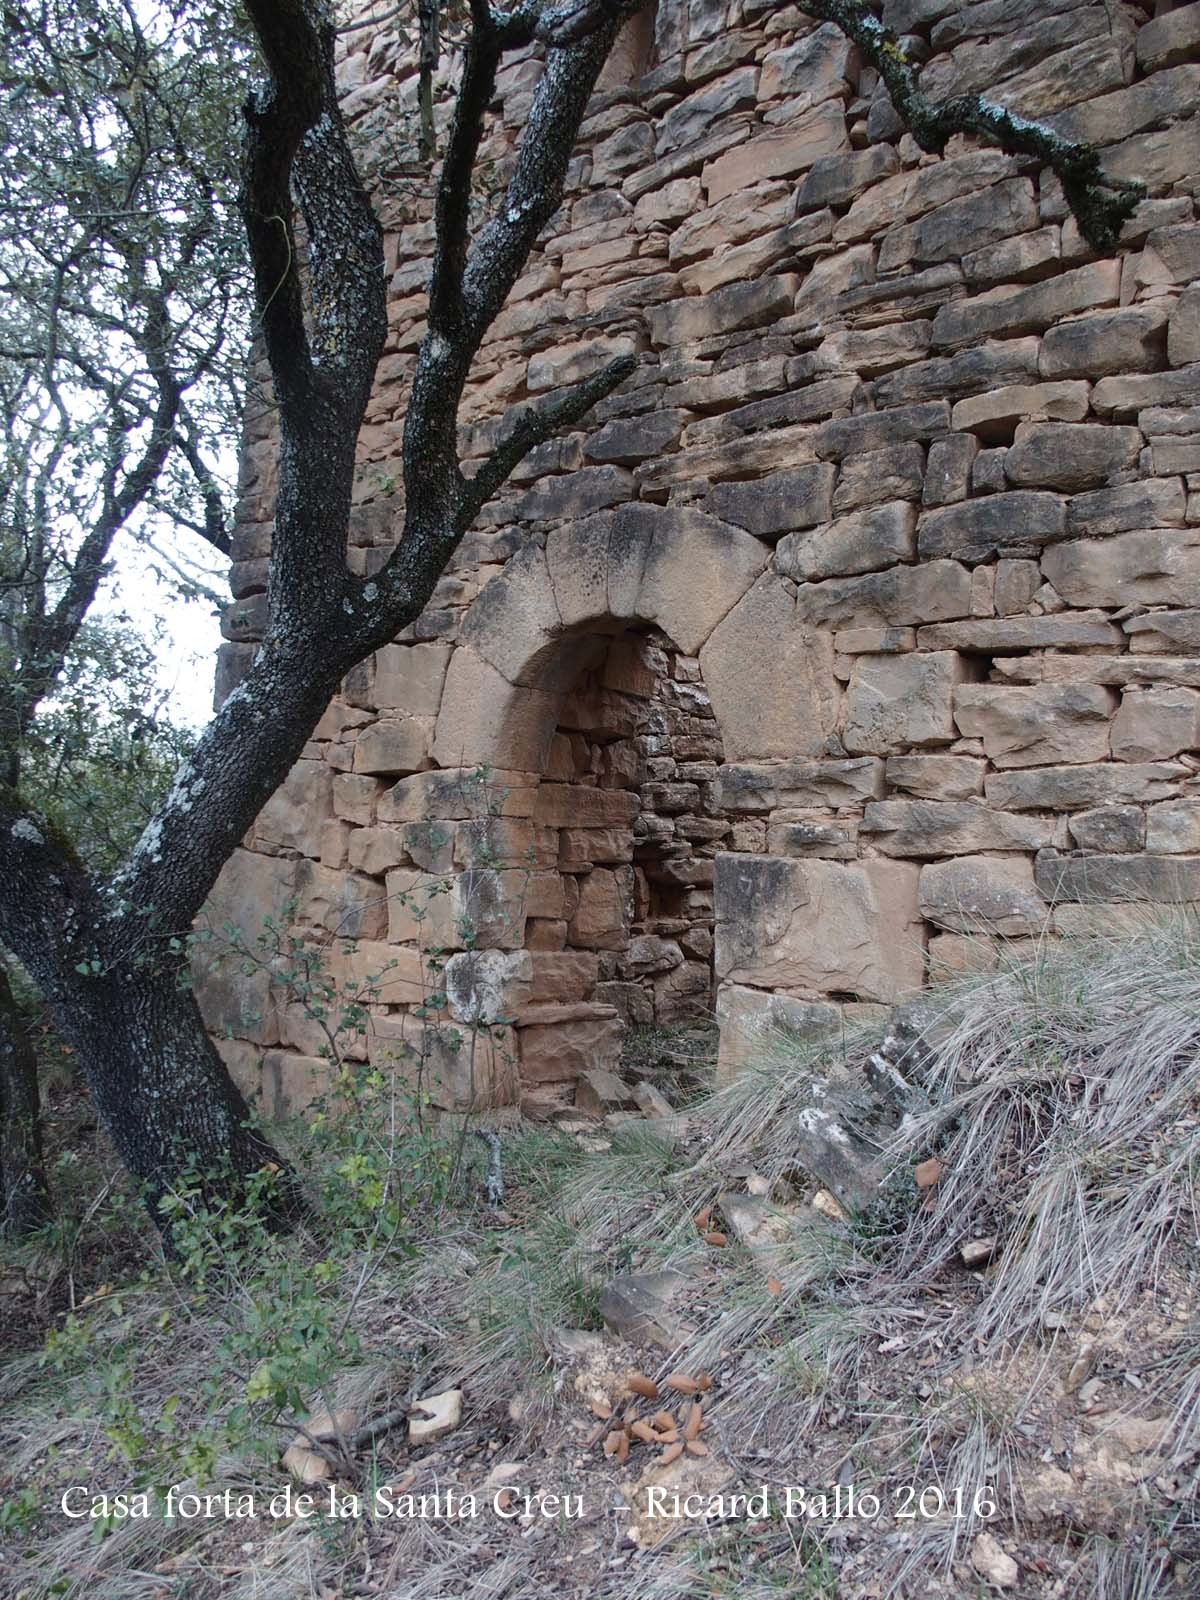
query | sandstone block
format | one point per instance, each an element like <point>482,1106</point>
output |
<point>483,907</point>
<point>1023,310</point>
<point>948,476</point>
<point>738,305</point>
<point>778,503</point>
<point>691,118</point>
<point>1183,335</point>
<point>1167,880</point>
<point>987,367</point>
<point>1169,39</point>
<point>777,702</point>
<point>900,597</point>
<point>753,1023</point>
<point>1102,342</point>
<point>558,1051</point>
<point>696,571</point>
<point>387,974</point>
<point>1124,395</point>
<point>563,975</point>
<point>409,678</point>
<point>971,223</point>
<point>576,494</point>
<point>455,794</point>
<point>1147,504</point>
<point>1016,584</point>
<point>1155,724</point>
<point>983,894</point>
<point>605,910</point>
<point>1173,828</point>
<point>1109,830</point>
<point>1164,631</point>
<point>376,850</point>
<point>863,542</point>
<point>753,786</point>
<point>896,472</point>
<point>485,720</point>
<point>832,180</point>
<point>989,635</point>
<point>975,529</point>
<point>348,904</point>
<point>993,414</point>
<point>821,926</point>
<point>1071,788</point>
<point>250,888</point>
<point>898,701</point>
<point>845,436</point>
<point>785,154</point>
<point>355,798</point>
<point>392,747</point>
<point>457,1068</point>
<point>949,828</point>
<point>487,985</point>
<point>815,67</point>
<point>1053,455</point>
<point>1038,725</point>
<point>937,777</point>
<point>1160,566</point>
<point>292,817</point>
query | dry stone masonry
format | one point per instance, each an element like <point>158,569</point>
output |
<point>860,625</point>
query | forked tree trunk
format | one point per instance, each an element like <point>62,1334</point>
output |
<point>24,1195</point>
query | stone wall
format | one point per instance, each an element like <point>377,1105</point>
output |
<point>862,620</point>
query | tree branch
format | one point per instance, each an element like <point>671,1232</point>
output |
<point>528,426</point>
<point>1101,205</point>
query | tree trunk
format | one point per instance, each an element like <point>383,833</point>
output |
<point>168,1102</point>
<point>24,1195</point>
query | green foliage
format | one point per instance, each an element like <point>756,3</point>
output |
<point>101,754</point>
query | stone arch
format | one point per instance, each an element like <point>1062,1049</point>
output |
<point>554,614</point>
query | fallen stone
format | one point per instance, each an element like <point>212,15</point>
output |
<point>303,1458</point>
<point>439,1414</point>
<point>643,1307</point>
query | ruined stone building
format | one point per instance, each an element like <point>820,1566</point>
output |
<point>859,624</point>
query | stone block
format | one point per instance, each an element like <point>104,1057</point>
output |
<point>482,907</point>
<point>990,635</point>
<point>865,541</point>
<point>249,889</point>
<point>1183,335</point>
<point>1028,309</point>
<point>1173,828</point>
<point>776,702</point>
<point>1109,830</point>
<point>455,1068</point>
<point>559,1051</point>
<point>292,817</point>
<point>832,180</point>
<point>778,503</point>
<point>948,475</point>
<point>820,926</point>
<point>783,154</point>
<point>1168,39</point>
<point>756,1025</point>
<point>895,701</point>
<point>976,529</point>
<point>937,777</point>
<point>727,310</point>
<point>983,894</point>
<point>813,833</point>
<point>347,904</point>
<point>1132,339</point>
<point>1016,584</point>
<point>925,828</point>
<point>994,414</point>
<point>409,678</point>
<point>753,786</point>
<point>1159,566</point>
<point>1156,724</point>
<point>1069,456</point>
<point>1042,724</point>
<point>487,985</point>
<point>874,430</point>
<point>901,597</point>
<point>605,910</point>
<point>487,721</point>
<point>563,805</point>
<point>387,974</point>
<point>355,798</point>
<point>696,571</point>
<point>981,370</point>
<point>1074,788</point>
<point>393,748</point>
<point>1126,394</point>
<point>1166,880</point>
<point>1164,631</point>
<point>972,223</point>
<point>376,850</point>
<point>894,473</point>
<point>1149,503</point>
